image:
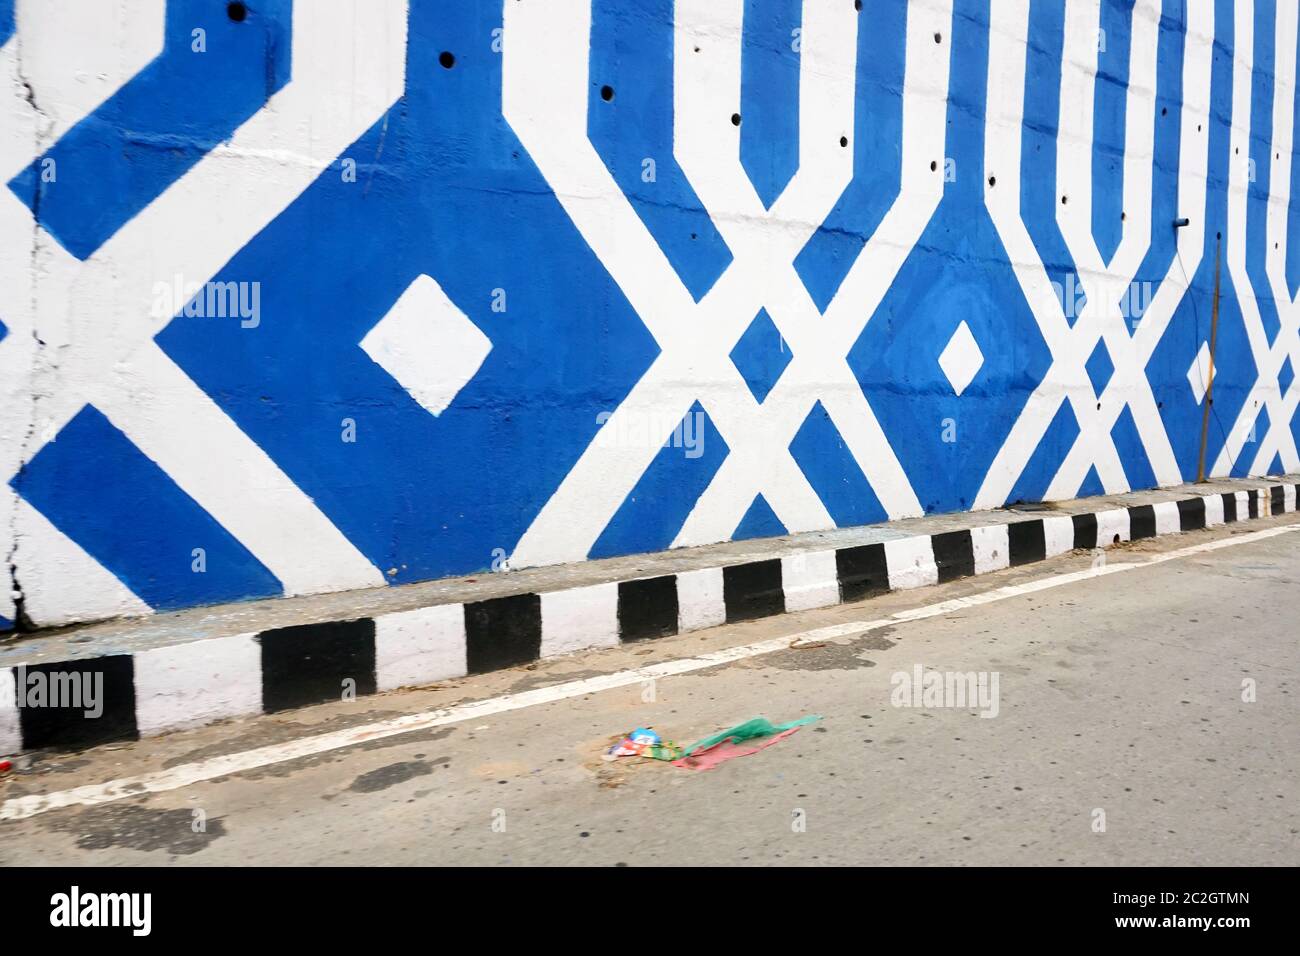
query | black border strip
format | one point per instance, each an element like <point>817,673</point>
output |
<point>312,663</point>
<point>1141,522</point>
<point>102,710</point>
<point>862,571</point>
<point>1027,541</point>
<point>1191,514</point>
<point>647,608</point>
<point>753,590</point>
<point>954,554</point>
<point>1085,531</point>
<point>502,632</point>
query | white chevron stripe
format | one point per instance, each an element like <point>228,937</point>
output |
<point>1268,360</point>
<point>547,107</point>
<point>820,344</point>
<point>1129,386</point>
<point>1279,439</point>
<point>1101,318</point>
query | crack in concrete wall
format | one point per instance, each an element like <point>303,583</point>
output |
<point>41,126</point>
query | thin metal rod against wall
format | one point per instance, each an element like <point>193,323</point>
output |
<point>1209,385</point>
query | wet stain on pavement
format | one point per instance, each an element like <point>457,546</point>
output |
<point>139,828</point>
<point>875,641</point>
<point>393,774</point>
<point>289,767</point>
<point>827,656</point>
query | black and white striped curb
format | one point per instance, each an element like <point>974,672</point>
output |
<point>186,685</point>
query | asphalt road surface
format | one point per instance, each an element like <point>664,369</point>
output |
<point>1145,716</point>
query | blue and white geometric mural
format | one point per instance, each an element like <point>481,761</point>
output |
<point>298,296</point>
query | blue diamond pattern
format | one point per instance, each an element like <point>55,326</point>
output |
<point>761,355</point>
<point>1285,376</point>
<point>1099,368</point>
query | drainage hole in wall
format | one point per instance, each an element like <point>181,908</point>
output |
<point>933,165</point>
<point>844,141</point>
<point>993,180</point>
<point>236,11</point>
<point>607,93</point>
<point>938,38</point>
<point>735,119</point>
<point>1115,540</point>
<point>447,60</point>
<point>857,4</point>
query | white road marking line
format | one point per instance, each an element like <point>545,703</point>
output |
<point>20,808</point>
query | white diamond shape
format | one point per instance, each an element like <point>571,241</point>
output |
<point>961,358</point>
<point>1198,376</point>
<point>428,345</point>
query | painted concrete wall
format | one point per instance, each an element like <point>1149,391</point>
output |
<point>299,295</point>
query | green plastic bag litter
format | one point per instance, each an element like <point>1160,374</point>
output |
<point>755,727</point>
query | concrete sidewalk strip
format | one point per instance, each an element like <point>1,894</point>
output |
<point>74,689</point>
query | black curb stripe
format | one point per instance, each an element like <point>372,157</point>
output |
<point>105,686</point>
<point>310,663</point>
<point>862,571</point>
<point>753,590</point>
<point>503,632</point>
<point>647,608</point>
<point>1085,531</point>
<point>954,555</point>
<point>1191,514</point>
<point>1141,522</point>
<point>1027,541</point>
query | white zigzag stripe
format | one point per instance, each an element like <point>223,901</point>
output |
<point>546,105</point>
<point>1101,318</point>
<point>1278,440</point>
